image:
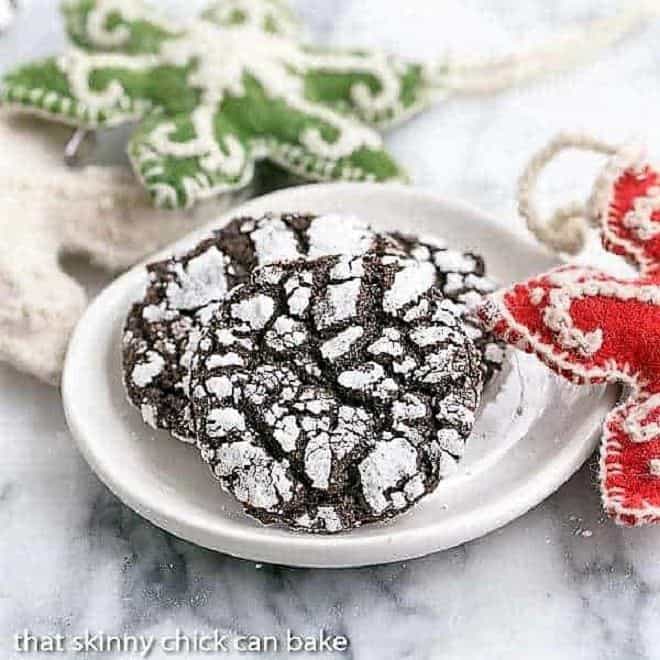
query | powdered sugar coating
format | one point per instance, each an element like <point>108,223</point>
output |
<point>181,293</point>
<point>461,277</point>
<point>348,418</point>
<point>201,281</point>
<point>145,371</point>
<point>409,283</point>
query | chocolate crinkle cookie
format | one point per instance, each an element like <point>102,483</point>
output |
<point>162,328</point>
<point>461,276</point>
<point>334,392</point>
<point>181,293</point>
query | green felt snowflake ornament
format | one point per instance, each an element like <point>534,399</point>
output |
<point>214,95</point>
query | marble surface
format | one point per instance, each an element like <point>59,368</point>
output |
<point>559,582</point>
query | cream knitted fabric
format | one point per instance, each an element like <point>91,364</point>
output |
<point>48,211</point>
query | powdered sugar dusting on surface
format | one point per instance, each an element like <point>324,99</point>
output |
<point>227,360</point>
<point>431,335</point>
<point>325,432</point>
<point>274,241</point>
<point>363,377</point>
<point>183,292</point>
<point>453,261</point>
<point>326,519</point>
<point>223,421</point>
<point>144,372</point>
<point>339,388</point>
<point>339,234</point>
<point>461,277</point>
<point>149,415</point>
<point>341,343</point>
<point>286,430</point>
<point>298,292</point>
<point>158,313</point>
<point>201,281</point>
<point>409,284</point>
<point>318,460</point>
<point>389,344</point>
<point>450,441</point>
<point>339,304</point>
<point>285,334</point>
<point>347,267</point>
<point>256,312</point>
<point>257,478</point>
<point>221,387</point>
<point>385,471</point>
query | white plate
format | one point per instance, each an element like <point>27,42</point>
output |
<point>532,433</point>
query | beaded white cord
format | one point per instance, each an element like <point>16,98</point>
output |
<point>565,231</point>
<point>565,51</point>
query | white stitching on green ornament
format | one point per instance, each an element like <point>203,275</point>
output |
<point>105,87</point>
<point>217,93</point>
<point>268,15</point>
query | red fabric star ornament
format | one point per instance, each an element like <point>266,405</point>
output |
<point>593,328</point>
<point>626,206</point>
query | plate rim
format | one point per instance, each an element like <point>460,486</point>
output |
<point>247,544</point>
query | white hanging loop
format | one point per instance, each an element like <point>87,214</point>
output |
<point>563,52</point>
<point>566,230</point>
<point>8,10</point>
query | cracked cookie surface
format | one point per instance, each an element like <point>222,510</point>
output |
<point>182,290</point>
<point>334,392</point>
<point>461,276</point>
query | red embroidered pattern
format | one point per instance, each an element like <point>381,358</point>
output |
<point>593,328</point>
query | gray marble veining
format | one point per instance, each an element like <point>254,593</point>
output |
<point>560,582</point>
